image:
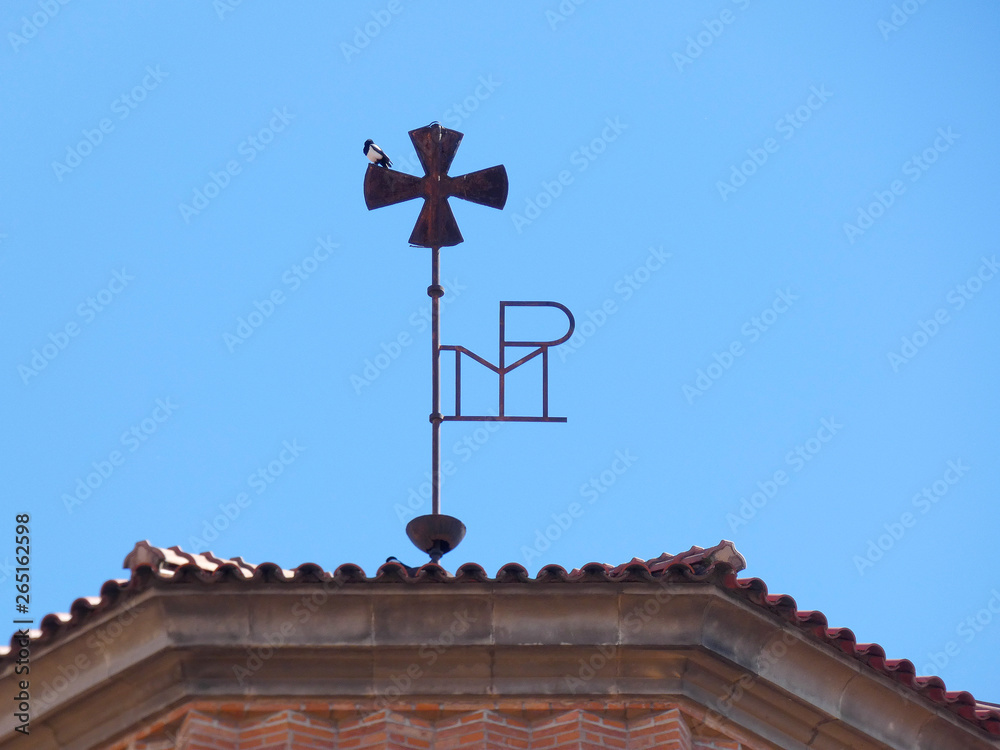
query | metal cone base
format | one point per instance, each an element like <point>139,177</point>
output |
<point>435,534</point>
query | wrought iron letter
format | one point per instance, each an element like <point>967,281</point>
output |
<point>501,369</point>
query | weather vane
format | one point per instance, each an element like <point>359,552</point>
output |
<point>436,227</point>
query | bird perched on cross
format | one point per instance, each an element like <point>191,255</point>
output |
<point>376,155</point>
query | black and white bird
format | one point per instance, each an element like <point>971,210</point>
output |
<point>376,155</point>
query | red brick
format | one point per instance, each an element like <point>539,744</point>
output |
<point>460,725</point>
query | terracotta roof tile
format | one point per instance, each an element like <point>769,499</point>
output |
<point>716,565</point>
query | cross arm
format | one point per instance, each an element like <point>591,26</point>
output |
<point>386,187</point>
<point>435,147</point>
<point>487,187</point>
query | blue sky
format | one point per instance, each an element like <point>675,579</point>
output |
<point>776,228</point>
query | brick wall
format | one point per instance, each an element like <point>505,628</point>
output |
<point>525,725</point>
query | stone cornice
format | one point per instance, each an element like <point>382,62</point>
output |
<point>376,642</point>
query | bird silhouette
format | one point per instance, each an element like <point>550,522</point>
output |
<point>410,570</point>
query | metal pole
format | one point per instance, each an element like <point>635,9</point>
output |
<point>435,292</point>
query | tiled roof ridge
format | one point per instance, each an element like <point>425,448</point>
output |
<point>716,565</point>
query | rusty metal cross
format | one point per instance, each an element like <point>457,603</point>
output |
<point>436,226</point>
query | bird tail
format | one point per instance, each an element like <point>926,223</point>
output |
<point>384,162</point>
